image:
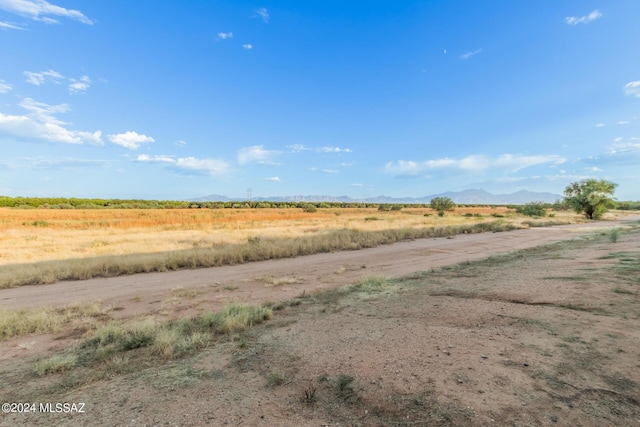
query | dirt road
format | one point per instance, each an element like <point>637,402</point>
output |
<point>282,279</point>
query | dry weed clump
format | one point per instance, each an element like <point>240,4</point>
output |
<point>44,320</point>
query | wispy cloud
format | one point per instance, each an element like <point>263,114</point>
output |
<point>622,122</point>
<point>273,178</point>
<point>475,163</point>
<point>187,165</point>
<point>632,89</point>
<point>600,125</point>
<point>327,171</point>
<point>9,26</point>
<point>41,10</point>
<point>5,87</point>
<point>66,163</point>
<point>225,36</point>
<point>262,13</point>
<point>181,143</point>
<point>619,147</point>
<point>79,86</point>
<point>298,148</point>
<point>575,20</point>
<point>43,77</point>
<point>131,140</point>
<point>256,154</point>
<point>40,123</point>
<point>247,46</point>
<point>470,54</point>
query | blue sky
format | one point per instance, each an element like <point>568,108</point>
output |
<point>174,100</point>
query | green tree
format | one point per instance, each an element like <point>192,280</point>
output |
<point>442,204</point>
<point>532,209</point>
<point>590,196</point>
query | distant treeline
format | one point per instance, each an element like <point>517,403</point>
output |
<point>79,203</point>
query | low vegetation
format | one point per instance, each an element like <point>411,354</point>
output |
<point>228,254</point>
<point>44,320</point>
<point>119,347</point>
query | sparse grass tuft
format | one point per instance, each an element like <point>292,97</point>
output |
<point>44,320</point>
<point>271,281</point>
<point>56,363</point>
<point>275,378</point>
<point>613,235</point>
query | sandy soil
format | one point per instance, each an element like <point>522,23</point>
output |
<point>541,337</point>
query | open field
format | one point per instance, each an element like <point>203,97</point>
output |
<point>39,246</point>
<point>33,235</point>
<point>540,336</point>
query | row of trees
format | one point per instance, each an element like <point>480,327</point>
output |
<point>591,197</point>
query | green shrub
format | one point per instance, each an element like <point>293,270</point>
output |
<point>532,209</point>
<point>309,208</point>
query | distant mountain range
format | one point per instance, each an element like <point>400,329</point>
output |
<point>472,196</point>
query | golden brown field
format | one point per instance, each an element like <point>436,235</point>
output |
<point>35,235</point>
<point>39,246</point>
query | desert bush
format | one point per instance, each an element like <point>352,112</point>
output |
<point>532,209</point>
<point>309,208</point>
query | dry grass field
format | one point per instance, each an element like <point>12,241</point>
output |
<point>35,235</point>
<point>40,246</point>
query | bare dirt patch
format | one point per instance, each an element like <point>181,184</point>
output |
<point>542,336</point>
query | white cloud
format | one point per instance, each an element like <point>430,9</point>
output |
<point>474,163</point>
<point>600,125</point>
<point>256,154</point>
<point>247,46</point>
<point>5,87</point>
<point>155,159</point>
<point>623,122</point>
<point>470,54</point>
<point>625,147</point>
<point>66,163</point>
<point>181,143</point>
<point>41,123</point>
<point>334,150</point>
<point>632,89</point>
<point>187,164</point>
<point>298,148</point>
<point>593,169</point>
<point>130,140</point>
<point>213,166</point>
<point>263,13</point>
<point>357,184</point>
<point>41,10</point>
<point>43,77</point>
<point>225,36</point>
<point>273,178</point>
<point>574,20</point>
<point>9,26</point>
<point>79,86</point>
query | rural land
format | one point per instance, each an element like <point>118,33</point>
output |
<point>323,315</point>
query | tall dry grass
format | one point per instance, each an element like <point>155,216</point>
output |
<point>40,246</point>
<point>256,249</point>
